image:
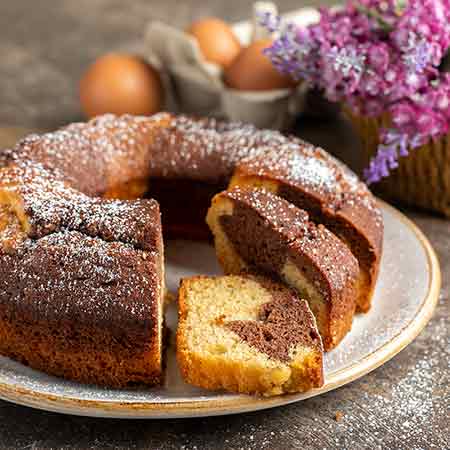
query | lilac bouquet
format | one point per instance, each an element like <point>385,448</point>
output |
<point>377,57</point>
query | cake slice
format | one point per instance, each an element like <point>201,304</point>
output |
<point>247,334</point>
<point>332,195</point>
<point>258,231</point>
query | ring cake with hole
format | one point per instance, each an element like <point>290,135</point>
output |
<point>81,254</point>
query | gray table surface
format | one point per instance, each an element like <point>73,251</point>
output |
<point>44,47</point>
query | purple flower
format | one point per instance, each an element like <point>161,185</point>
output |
<point>403,114</point>
<point>347,61</point>
<point>385,160</point>
<point>393,145</point>
<point>270,21</point>
<point>377,56</point>
<point>418,55</point>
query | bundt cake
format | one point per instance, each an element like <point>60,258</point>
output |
<point>259,231</point>
<point>311,179</point>
<point>247,334</point>
<point>81,256</point>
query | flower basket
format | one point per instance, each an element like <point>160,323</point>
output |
<point>422,179</point>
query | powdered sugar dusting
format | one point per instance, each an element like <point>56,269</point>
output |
<point>93,155</point>
<point>210,150</point>
<point>102,284</point>
<point>50,205</point>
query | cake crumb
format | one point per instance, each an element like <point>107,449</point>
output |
<point>339,415</point>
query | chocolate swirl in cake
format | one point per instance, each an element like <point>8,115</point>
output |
<point>283,324</point>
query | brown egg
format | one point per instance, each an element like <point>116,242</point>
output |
<point>119,83</point>
<point>253,71</point>
<point>216,40</point>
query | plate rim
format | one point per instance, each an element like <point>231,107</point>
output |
<point>241,404</point>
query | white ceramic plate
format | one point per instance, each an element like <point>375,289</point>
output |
<point>405,297</point>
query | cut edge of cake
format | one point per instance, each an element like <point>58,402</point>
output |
<point>368,254</point>
<point>212,355</point>
<point>335,316</point>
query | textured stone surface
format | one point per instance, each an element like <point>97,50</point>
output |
<point>44,47</point>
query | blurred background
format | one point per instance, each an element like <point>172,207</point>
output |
<point>45,48</point>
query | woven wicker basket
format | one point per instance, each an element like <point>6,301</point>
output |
<point>422,178</point>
